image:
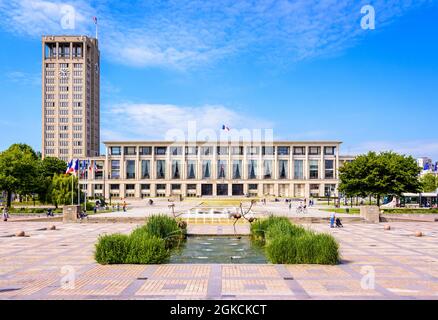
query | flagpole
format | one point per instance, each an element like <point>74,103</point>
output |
<point>79,186</point>
<point>72,190</point>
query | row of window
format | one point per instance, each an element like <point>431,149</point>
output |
<point>280,150</point>
<point>63,128</point>
<point>63,96</point>
<point>62,104</point>
<point>222,169</point>
<point>63,120</point>
<point>50,151</point>
<point>221,189</point>
<point>63,88</point>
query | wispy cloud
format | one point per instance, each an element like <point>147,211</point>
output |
<point>24,78</point>
<point>416,148</point>
<point>187,33</point>
<point>130,121</point>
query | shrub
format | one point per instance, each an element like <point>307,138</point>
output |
<point>281,249</point>
<point>307,248</point>
<point>163,227</point>
<point>289,243</point>
<point>112,249</point>
<point>146,249</point>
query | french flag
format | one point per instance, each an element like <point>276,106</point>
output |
<point>225,128</point>
<point>72,166</point>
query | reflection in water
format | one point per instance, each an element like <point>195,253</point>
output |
<point>218,249</point>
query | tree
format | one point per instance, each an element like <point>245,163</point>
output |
<point>429,182</point>
<point>387,173</point>
<point>47,168</point>
<point>61,189</point>
<point>18,169</point>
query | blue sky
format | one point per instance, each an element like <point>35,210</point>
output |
<point>306,70</point>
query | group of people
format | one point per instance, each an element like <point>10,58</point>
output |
<point>335,221</point>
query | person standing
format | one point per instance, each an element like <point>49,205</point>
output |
<point>5,214</point>
<point>332,220</point>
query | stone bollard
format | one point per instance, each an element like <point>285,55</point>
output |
<point>52,227</point>
<point>418,233</point>
<point>370,213</point>
<point>387,227</point>
<point>20,234</point>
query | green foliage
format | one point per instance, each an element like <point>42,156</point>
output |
<point>61,189</point>
<point>292,244</point>
<point>146,249</point>
<point>18,168</point>
<point>112,249</point>
<point>386,173</point>
<point>429,183</point>
<point>164,227</point>
<point>148,244</point>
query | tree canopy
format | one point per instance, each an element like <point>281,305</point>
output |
<point>386,173</point>
<point>22,171</point>
<point>18,169</point>
<point>429,182</point>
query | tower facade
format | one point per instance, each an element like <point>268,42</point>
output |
<point>70,97</point>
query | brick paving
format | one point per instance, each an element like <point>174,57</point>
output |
<point>376,264</point>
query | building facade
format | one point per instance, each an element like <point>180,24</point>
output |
<point>70,97</point>
<point>203,169</point>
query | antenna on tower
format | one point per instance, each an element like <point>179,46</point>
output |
<point>95,23</point>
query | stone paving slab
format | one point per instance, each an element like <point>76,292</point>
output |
<point>59,264</point>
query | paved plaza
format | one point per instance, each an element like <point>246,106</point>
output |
<point>59,264</point>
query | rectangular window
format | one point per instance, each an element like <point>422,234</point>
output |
<point>252,151</point>
<point>145,151</point>
<point>267,169</point>
<point>298,169</point>
<point>161,186</point>
<point>206,151</point>
<point>115,151</point>
<point>176,151</point>
<point>222,169</point>
<point>237,151</point>
<point>329,190</point>
<point>313,169</point>
<point>314,150</point>
<point>329,169</point>
<point>176,169</point>
<point>130,169</point>
<point>130,151</point>
<point>283,151</point>
<point>115,169</point>
<point>191,151</point>
<point>222,151</point>
<point>237,169</point>
<point>252,169</point>
<point>283,169</point>
<point>206,169</point>
<point>146,186</point>
<point>191,169</point>
<point>329,151</point>
<point>298,151</point>
<point>176,186</point>
<point>160,151</point>
<point>161,169</point>
<point>268,151</point>
<point>145,169</point>
<point>114,186</point>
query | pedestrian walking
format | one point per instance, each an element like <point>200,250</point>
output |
<point>332,220</point>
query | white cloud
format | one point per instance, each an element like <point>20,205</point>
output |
<point>130,121</point>
<point>24,78</point>
<point>187,33</point>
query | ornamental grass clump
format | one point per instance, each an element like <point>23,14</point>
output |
<point>112,249</point>
<point>287,243</point>
<point>148,244</point>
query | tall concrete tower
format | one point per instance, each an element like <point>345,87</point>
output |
<point>70,97</point>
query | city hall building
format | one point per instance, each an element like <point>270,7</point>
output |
<point>208,169</point>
